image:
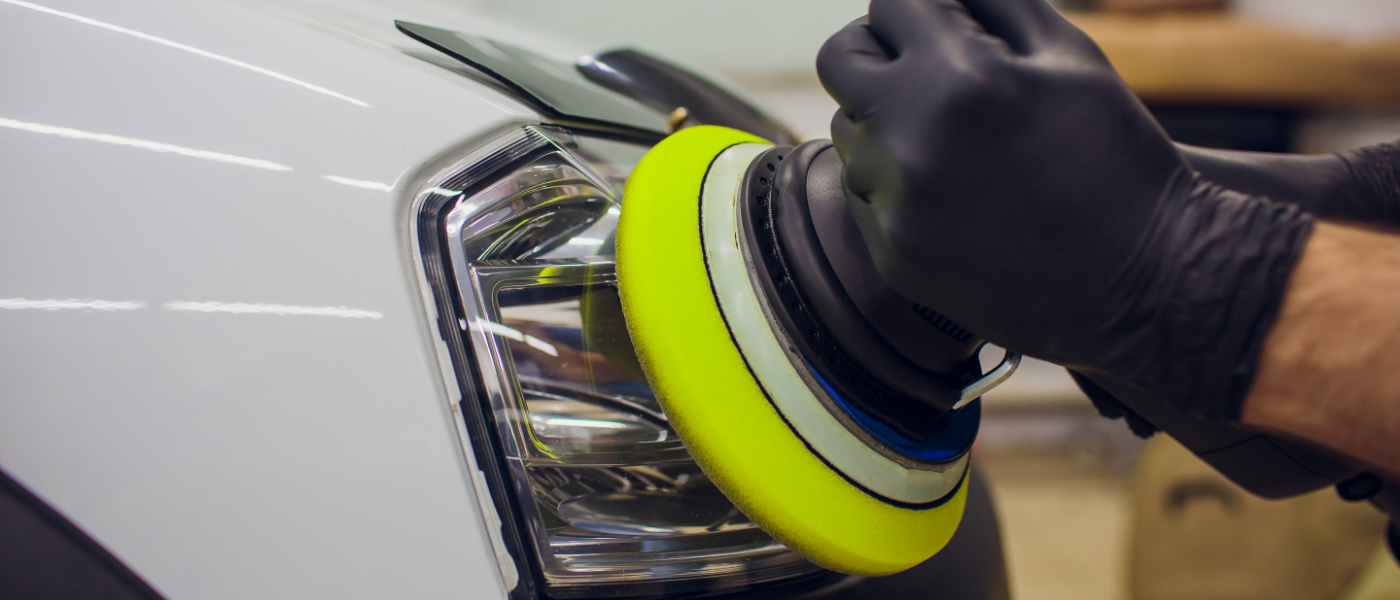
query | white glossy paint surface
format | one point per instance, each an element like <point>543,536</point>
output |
<point>212,354</point>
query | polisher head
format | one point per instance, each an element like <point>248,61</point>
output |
<point>755,414</point>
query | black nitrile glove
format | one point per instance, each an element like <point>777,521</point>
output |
<point>1006,176</point>
<point>1361,185</point>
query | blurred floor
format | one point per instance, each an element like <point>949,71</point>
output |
<point>1197,536</point>
<point>1091,513</point>
<point>1060,476</point>
<point>1065,526</point>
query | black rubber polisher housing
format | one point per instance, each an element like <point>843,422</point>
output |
<point>904,364</point>
<point>899,362</point>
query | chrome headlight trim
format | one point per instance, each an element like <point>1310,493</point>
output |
<point>481,197</point>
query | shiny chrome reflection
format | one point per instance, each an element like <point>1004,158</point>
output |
<point>614,498</point>
<point>512,334</point>
<point>444,192</point>
<point>617,493</point>
<point>550,209</point>
<point>191,49</point>
<point>75,134</point>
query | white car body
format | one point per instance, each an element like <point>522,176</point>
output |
<point>218,350</point>
<point>311,453</point>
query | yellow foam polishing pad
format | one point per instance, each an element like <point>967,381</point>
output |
<point>712,398</point>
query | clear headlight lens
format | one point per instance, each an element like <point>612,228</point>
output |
<point>613,498</point>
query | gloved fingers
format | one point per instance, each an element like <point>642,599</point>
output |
<point>866,163</point>
<point>1023,24</point>
<point>904,25</point>
<point>844,136</point>
<point>846,63</point>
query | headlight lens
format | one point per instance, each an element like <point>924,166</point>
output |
<point>614,505</point>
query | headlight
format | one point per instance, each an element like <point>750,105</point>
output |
<point>609,502</point>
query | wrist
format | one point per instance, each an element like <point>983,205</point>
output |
<point>1332,336</point>
<point>1202,293</point>
<point>1372,182</point>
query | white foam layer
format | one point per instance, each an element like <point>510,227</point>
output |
<point>782,374</point>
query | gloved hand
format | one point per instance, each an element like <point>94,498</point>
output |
<point>1361,185</point>
<point>1004,175</point>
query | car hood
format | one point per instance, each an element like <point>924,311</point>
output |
<point>216,358</point>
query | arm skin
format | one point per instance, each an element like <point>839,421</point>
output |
<point>1329,372</point>
<point>1330,369</point>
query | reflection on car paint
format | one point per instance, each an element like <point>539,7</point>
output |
<point>70,304</point>
<point>360,183</point>
<point>191,49</point>
<point>75,134</point>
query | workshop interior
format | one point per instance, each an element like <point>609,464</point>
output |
<point>569,300</point>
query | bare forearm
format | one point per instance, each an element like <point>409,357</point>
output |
<point>1330,369</point>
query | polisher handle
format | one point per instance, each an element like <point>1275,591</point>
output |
<point>993,378</point>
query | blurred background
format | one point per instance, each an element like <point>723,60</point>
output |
<point>1089,511</point>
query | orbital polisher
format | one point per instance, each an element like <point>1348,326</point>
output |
<point>835,413</point>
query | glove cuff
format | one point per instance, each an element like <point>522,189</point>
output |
<point>1375,171</point>
<point>1204,288</point>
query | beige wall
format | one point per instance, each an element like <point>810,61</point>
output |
<point>1351,18</point>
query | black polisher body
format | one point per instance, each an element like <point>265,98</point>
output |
<point>902,363</point>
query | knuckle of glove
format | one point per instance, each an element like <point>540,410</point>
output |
<point>836,52</point>
<point>1072,41</point>
<point>986,88</point>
